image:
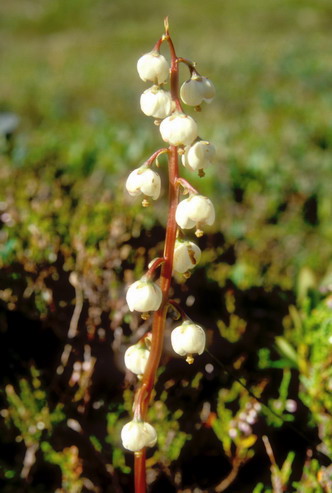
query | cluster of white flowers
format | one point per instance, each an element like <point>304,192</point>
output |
<point>243,422</point>
<point>180,131</point>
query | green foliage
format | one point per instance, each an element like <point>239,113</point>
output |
<point>286,469</point>
<point>70,465</point>
<point>170,438</point>
<point>315,360</point>
<point>279,406</point>
<point>232,428</point>
<point>236,326</point>
<point>307,347</point>
<point>315,478</point>
<point>28,409</point>
<point>114,426</point>
<point>279,476</point>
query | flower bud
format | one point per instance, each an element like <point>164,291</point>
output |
<point>186,256</point>
<point>178,129</point>
<point>188,338</point>
<point>145,181</point>
<point>244,427</point>
<point>136,435</point>
<point>135,358</point>
<point>196,90</point>
<point>291,405</point>
<point>197,210</point>
<point>252,417</point>
<point>156,102</point>
<point>153,67</point>
<point>199,155</point>
<point>144,296</point>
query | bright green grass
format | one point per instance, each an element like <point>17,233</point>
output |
<point>69,72</point>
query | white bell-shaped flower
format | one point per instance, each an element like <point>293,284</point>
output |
<point>178,129</point>
<point>156,102</point>
<point>136,358</point>
<point>209,90</point>
<point>197,210</point>
<point>196,90</point>
<point>153,67</point>
<point>145,181</point>
<point>188,338</point>
<point>186,256</point>
<point>199,155</point>
<point>136,435</point>
<point>144,296</point>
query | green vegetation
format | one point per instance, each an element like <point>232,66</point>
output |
<point>71,239</point>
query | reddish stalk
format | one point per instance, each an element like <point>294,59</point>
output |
<point>140,474</point>
<point>155,156</point>
<point>186,185</point>
<point>143,394</point>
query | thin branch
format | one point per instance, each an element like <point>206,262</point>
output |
<point>230,478</point>
<point>73,326</point>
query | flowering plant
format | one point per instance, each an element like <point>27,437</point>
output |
<point>180,131</point>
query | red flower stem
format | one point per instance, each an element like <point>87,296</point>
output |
<point>174,74</point>
<point>158,44</point>
<point>143,394</point>
<point>186,185</point>
<point>191,65</point>
<point>178,308</point>
<point>149,274</point>
<point>140,479</point>
<point>155,155</point>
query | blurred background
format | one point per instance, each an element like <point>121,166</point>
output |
<point>71,240</point>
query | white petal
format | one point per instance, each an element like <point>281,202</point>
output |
<point>191,92</point>
<point>156,102</point>
<point>199,155</point>
<point>196,90</point>
<point>201,209</point>
<point>209,90</point>
<point>153,67</point>
<point>136,435</point>
<point>136,358</point>
<point>133,183</point>
<point>186,256</point>
<point>151,184</point>
<point>144,181</point>
<point>178,129</point>
<point>144,296</point>
<point>188,338</point>
<point>182,215</point>
<point>196,209</point>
